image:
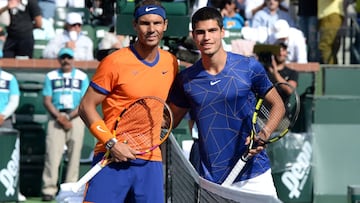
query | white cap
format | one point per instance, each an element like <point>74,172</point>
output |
<point>73,18</point>
<point>281,29</point>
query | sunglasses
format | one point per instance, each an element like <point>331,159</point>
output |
<point>66,56</point>
<point>76,24</point>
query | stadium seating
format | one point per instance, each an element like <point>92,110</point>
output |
<point>39,47</point>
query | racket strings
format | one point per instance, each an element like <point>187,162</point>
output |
<point>140,125</point>
<point>285,120</point>
<point>145,124</point>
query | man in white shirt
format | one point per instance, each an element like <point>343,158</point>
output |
<point>253,6</point>
<point>293,38</point>
<point>73,38</point>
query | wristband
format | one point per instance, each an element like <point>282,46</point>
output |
<point>100,131</point>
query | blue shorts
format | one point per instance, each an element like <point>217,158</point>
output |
<point>134,181</point>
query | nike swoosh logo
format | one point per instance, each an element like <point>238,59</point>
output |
<point>214,82</point>
<point>147,9</point>
<point>134,72</point>
<point>164,72</point>
<point>100,129</point>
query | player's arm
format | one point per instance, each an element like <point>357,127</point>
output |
<point>276,113</point>
<point>87,108</point>
<point>178,113</point>
<point>92,119</point>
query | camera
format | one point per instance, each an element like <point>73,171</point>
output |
<point>265,52</point>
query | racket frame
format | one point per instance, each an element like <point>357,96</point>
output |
<point>106,160</point>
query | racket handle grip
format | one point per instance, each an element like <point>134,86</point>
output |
<point>90,174</point>
<point>235,172</point>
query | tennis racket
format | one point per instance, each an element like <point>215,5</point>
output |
<point>144,125</point>
<point>261,117</point>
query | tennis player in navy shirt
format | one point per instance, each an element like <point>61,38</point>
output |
<point>220,90</point>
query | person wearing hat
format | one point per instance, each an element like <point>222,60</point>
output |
<point>293,38</point>
<point>63,90</point>
<point>73,38</point>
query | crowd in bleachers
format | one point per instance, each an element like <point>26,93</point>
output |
<point>303,25</point>
<point>303,28</point>
<point>47,19</point>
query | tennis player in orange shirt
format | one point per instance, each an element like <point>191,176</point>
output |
<point>142,69</point>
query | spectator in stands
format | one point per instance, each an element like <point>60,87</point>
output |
<point>63,90</point>
<point>24,17</point>
<point>293,38</point>
<point>48,8</point>
<point>240,5</point>
<point>232,19</point>
<point>267,16</point>
<point>278,71</point>
<point>219,90</point>
<point>331,15</point>
<point>308,24</point>
<point>102,11</point>
<point>72,38</point>
<point>253,6</point>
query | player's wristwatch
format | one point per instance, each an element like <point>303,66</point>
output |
<point>110,143</point>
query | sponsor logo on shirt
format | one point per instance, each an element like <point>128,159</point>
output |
<point>214,82</point>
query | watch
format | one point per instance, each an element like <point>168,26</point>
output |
<point>110,143</point>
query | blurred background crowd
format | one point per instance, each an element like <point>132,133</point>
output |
<point>311,29</point>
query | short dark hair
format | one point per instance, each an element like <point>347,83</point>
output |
<point>207,13</point>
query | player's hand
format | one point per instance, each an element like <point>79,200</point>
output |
<point>273,68</point>
<point>258,146</point>
<point>122,152</point>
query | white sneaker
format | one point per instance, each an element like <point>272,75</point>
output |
<point>21,197</point>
